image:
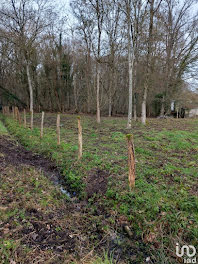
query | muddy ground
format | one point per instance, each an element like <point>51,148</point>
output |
<point>14,154</point>
<point>81,235</point>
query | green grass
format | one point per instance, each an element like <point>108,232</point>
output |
<point>105,260</point>
<point>162,209</point>
<point>3,130</point>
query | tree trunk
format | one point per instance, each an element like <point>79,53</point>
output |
<point>162,106</point>
<point>130,93</point>
<point>143,117</point>
<point>88,98</point>
<point>75,92</point>
<point>135,107</point>
<point>87,72</point>
<point>130,66</point>
<point>13,112</point>
<point>68,101</point>
<point>88,93</point>
<point>146,84</point>
<point>24,118</point>
<point>110,105</point>
<point>98,95</point>
<point>31,94</point>
<point>110,94</point>
<point>58,103</point>
<point>49,95</point>
<point>58,128</point>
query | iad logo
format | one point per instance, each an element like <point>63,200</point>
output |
<point>190,251</point>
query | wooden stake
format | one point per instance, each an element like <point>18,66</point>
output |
<point>58,128</point>
<point>31,119</point>
<point>24,118</point>
<point>131,161</point>
<point>79,139</point>
<point>42,121</point>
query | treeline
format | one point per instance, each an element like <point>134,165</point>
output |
<point>108,57</point>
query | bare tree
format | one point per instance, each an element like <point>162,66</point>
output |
<point>23,21</point>
<point>148,63</point>
<point>130,59</point>
<point>85,27</point>
<point>112,19</point>
<point>153,8</point>
<point>180,44</point>
<point>97,7</point>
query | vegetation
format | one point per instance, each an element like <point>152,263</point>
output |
<point>108,57</point>
<point>161,210</point>
<point>3,130</point>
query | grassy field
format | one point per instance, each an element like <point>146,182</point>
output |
<point>161,211</point>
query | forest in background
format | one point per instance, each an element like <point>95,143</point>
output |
<point>108,57</point>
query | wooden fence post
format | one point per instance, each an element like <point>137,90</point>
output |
<point>131,161</point>
<point>24,118</point>
<point>42,121</point>
<point>58,128</point>
<point>31,119</point>
<point>79,139</point>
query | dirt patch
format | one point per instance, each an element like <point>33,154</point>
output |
<point>42,231</point>
<point>97,182</point>
<point>12,153</point>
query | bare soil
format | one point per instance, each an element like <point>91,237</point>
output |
<point>12,153</point>
<point>96,182</point>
